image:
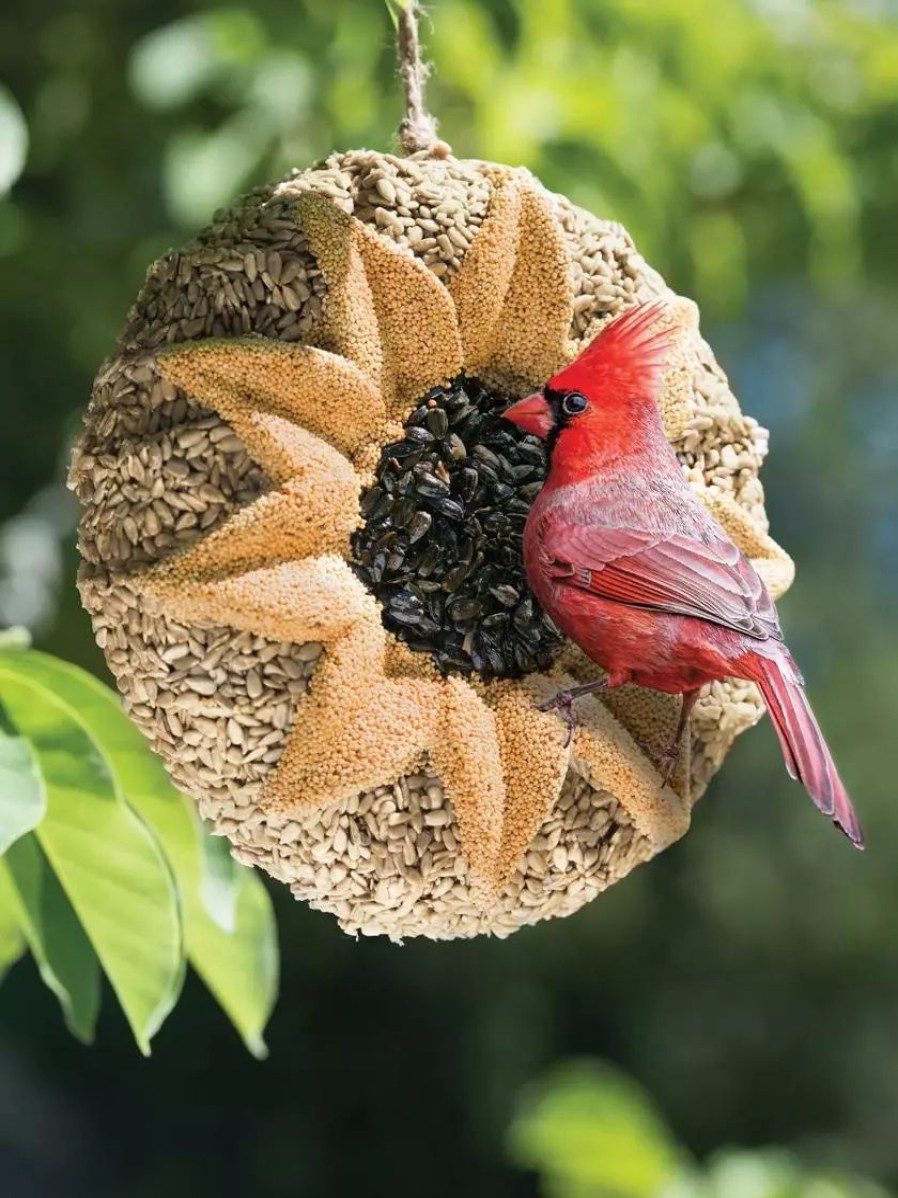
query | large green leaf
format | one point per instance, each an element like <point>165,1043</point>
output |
<point>109,864</point>
<point>67,963</point>
<point>23,797</point>
<point>12,942</point>
<point>240,967</point>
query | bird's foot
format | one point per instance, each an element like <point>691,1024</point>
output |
<point>664,762</point>
<point>563,703</point>
<point>668,763</point>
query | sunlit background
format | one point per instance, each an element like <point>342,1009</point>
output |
<point>725,1022</point>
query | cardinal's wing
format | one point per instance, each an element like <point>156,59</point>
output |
<point>673,573</point>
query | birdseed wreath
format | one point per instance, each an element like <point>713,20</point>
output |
<point>301,542</point>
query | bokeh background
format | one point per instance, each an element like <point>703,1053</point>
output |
<point>747,980</point>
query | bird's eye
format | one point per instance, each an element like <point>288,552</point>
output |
<point>574,403</point>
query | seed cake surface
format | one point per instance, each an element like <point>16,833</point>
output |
<point>301,535</point>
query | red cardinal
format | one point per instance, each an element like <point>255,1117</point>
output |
<point>631,566</point>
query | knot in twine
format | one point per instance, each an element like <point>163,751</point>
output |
<point>417,131</point>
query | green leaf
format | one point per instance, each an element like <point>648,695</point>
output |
<point>12,942</point>
<point>241,968</point>
<point>592,1131</point>
<point>220,875</point>
<point>394,8</point>
<point>23,796</point>
<point>108,863</point>
<point>13,140</point>
<point>65,959</point>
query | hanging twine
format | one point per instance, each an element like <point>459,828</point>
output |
<point>418,129</point>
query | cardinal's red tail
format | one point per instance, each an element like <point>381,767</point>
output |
<point>804,749</point>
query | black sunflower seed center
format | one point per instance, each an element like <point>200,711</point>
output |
<point>440,546</point>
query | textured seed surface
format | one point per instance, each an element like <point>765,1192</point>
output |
<point>156,472</point>
<point>399,873</point>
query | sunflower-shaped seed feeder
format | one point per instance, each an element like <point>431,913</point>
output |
<point>301,543</point>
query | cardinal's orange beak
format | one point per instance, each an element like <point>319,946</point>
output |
<point>532,414</point>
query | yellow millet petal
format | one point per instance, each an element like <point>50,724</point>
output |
<point>314,511</point>
<point>302,519</point>
<point>385,310</point>
<point>604,749</point>
<point>313,600</point>
<point>419,330</point>
<point>288,452</point>
<point>400,661</point>
<point>535,761</point>
<point>324,393</point>
<point>465,753</point>
<point>356,729</point>
<point>533,334</point>
<point>480,287</point>
<point>349,322</point>
<point>778,573</point>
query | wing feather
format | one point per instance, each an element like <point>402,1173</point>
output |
<point>673,573</point>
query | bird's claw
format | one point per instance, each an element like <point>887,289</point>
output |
<point>667,764</point>
<point>563,703</point>
<point>664,762</point>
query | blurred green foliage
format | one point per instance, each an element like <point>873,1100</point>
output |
<point>13,141</point>
<point>749,977</point>
<point>728,103</point>
<point>592,1131</point>
<point>589,1131</point>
